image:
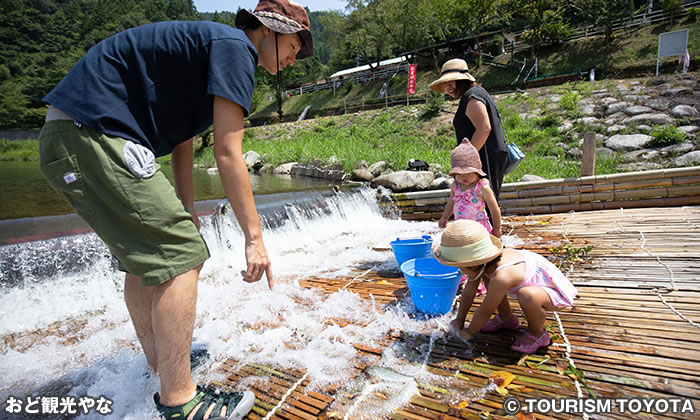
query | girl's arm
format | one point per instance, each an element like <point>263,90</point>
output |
<point>447,212</point>
<point>488,196</point>
<point>476,112</point>
<point>496,292</point>
<point>465,303</point>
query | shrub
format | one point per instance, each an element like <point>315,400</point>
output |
<point>693,14</point>
<point>569,101</point>
<point>666,135</point>
<point>433,104</point>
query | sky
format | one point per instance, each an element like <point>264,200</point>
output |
<point>232,5</point>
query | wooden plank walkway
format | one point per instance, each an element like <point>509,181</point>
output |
<point>634,331</point>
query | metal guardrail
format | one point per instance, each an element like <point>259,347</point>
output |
<point>359,77</point>
<point>640,19</point>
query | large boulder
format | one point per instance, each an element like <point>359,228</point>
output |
<point>405,180</point>
<point>378,167</point>
<point>362,175</point>
<point>637,109</point>
<point>531,178</point>
<point>692,158</point>
<point>284,169</point>
<point>617,107</point>
<point>441,183</point>
<point>682,111</point>
<point>253,160</point>
<point>660,119</point>
<point>660,104</point>
<point>627,141</point>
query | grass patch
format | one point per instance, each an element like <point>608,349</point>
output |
<point>24,150</point>
<point>666,135</point>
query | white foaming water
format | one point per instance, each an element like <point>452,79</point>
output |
<point>93,350</point>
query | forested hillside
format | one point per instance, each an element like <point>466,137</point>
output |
<point>40,40</point>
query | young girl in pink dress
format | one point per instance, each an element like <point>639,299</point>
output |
<point>537,284</point>
<point>471,193</point>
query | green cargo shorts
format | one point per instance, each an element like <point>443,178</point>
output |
<point>142,221</point>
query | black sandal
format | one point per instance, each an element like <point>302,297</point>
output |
<point>238,405</point>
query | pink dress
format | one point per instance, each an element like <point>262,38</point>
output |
<point>468,205</point>
<point>542,273</point>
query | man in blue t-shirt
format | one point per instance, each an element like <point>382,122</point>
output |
<point>147,92</point>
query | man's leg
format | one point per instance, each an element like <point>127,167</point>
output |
<point>139,301</point>
<point>172,314</point>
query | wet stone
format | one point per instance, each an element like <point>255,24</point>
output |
<point>609,100</point>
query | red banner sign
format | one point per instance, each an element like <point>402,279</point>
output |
<point>411,79</point>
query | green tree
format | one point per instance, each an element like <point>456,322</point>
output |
<point>479,13</point>
<point>546,19</point>
<point>673,8</point>
<point>604,13</point>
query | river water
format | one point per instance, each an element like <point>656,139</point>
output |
<point>25,192</point>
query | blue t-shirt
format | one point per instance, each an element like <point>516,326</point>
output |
<point>155,84</point>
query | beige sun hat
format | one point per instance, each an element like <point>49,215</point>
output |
<point>465,159</point>
<point>455,69</point>
<point>466,243</point>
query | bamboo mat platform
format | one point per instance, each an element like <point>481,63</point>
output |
<point>634,332</point>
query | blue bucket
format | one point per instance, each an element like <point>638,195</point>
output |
<point>408,249</point>
<point>433,286</point>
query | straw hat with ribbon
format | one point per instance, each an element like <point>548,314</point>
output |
<point>280,16</point>
<point>466,243</point>
<point>455,69</point>
<point>465,159</point>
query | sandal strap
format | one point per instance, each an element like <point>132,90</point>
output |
<point>205,396</point>
<point>179,411</point>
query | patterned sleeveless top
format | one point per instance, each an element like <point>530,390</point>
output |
<point>468,205</point>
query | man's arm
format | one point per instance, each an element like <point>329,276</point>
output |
<point>182,159</point>
<point>228,138</point>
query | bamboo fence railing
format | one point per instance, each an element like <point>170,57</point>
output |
<point>657,188</point>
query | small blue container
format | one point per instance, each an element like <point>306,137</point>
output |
<point>433,286</point>
<point>408,249</point>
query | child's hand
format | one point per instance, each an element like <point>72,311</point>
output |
<point>496,231</point>
<point>455,326</point>
<point>464,335</point>
<point>442,223</point>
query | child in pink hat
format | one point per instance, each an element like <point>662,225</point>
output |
<point>471,192</point>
